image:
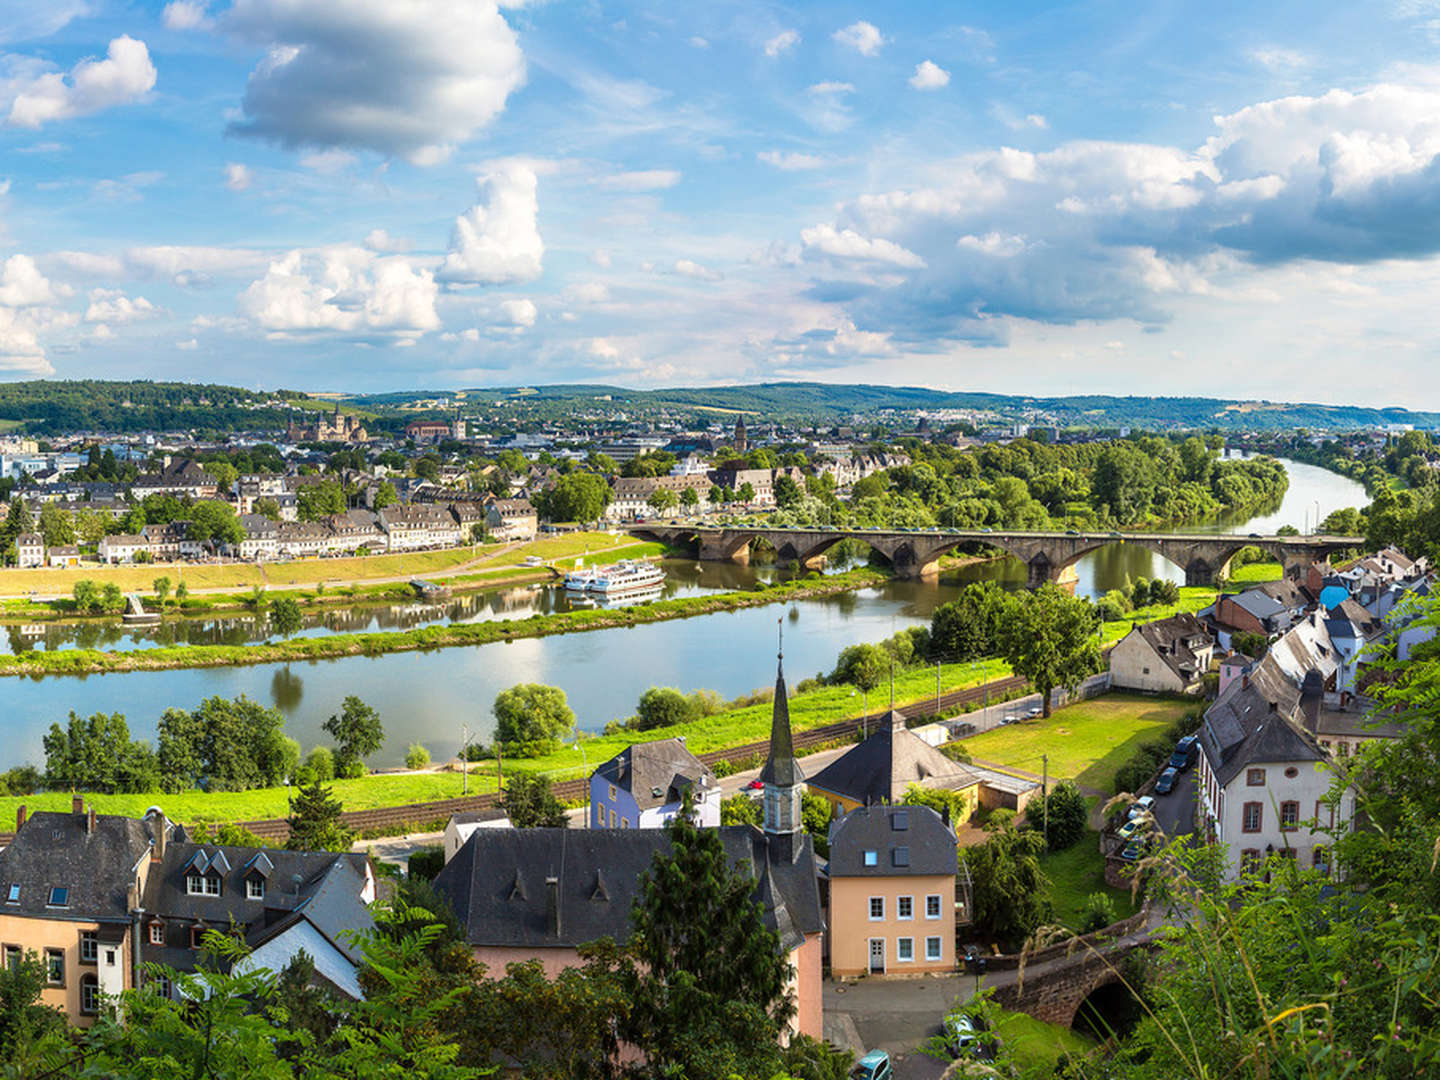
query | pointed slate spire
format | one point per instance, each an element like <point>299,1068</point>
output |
<point>780,768</point>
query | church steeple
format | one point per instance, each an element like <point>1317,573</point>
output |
<point>742,444</point>
<point>782,777</point>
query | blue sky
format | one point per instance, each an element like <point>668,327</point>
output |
<point>1239,199</point>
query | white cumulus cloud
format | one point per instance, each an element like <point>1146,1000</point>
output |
<point>929,76</point>
<point>348,290</point>
<point>691,269</point>
<point>781,42</point>
<point>23,285</point>
<point>861,36</point>
<point>519,313</point>
<point>789,160</point>
<point>497,241</point>
<point>412,80</point>
<point>238,177</point>
<point>40,96</point>
<point>186,15</point>
<point>113,306</point>
<point>849,244</point>
<point>643,180</point>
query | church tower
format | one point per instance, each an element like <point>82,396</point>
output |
<point>742,444</point>
<point>782,778</point>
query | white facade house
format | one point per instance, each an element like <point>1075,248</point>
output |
<point>460,826</point>
<point>30,550</point>
<point>645,785</point>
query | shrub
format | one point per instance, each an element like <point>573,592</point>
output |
<point>1098,913</point>
<point>353,769</point>
<point>321,763</point>
<point>1063,814</point>
<point>426,862</point>
<point>664,706</point>
<point>417,757</point>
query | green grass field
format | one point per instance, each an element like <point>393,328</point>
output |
<point>1087,742</point>
<point>1074,874</point>
<point>1037,1046</point>
<point>1192,599</point>
<point>1257,573</point>
<point>384,789</point>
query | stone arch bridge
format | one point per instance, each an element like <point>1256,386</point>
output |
<point>1048,556</point>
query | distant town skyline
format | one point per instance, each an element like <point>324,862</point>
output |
<point>1035,199</point>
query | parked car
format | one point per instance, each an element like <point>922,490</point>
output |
<point>1131,830</point>
<point>1133,850</point>
<point>875,1065</point>
<point>756,785</point>
<point>1032,713</point>
<point>1009,718</point>
<point>1166,783</point>
<point>961,1036</point>
<point>1143,805</point>
<point>1185,751</point>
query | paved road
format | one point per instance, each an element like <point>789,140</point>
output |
<point>1175,813</point>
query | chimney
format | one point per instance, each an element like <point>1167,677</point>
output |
<point>157,849</point>
<point>77,803</point>
<point>552,906</point>
<point>20,818</point>
<point>1245,679</point>
<point>90,822</point>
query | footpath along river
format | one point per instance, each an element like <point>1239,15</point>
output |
<point>427,696</point>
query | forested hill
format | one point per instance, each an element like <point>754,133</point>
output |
<point>55,407</point>
<point>825,402</point>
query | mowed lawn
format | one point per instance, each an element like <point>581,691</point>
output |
<point>1087,742</point>
<point>235,575</point>
<point>1074,874</point>
<point>577,545</point>
<point>1037,1047</point>
<point>368,792</point>
<point>1257,573</point>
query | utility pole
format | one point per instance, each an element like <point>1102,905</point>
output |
<point>1044,792</point>
<point>937,688</point>
<point>465,758</point>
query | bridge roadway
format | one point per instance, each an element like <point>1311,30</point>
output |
<point>1048,556</point>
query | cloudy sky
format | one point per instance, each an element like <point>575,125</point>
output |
<point>1021,197</point>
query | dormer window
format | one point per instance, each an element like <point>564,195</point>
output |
<point>202,884</point>
<point>59,897</point>
<point>254,888</point>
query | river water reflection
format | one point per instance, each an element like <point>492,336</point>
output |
<point>428,696</point>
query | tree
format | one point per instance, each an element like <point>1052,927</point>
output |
<point>787,493</point>
<point>112,600</point>
<point>416,756</point>
<point>86,594</point>
<point>267,507</point>
<point>862,666</point>
<point>580,496</point>
<point>285,618</point>
<point>56,525</point>
<point>315,821</point>
<point>740,809</point>
<point>357,731</point>
<point>529,802</point>
<point>17,520</point>
<point>1009,887</point>
<point>1062,816</point>
<point>315,501</point>
<point>967,628</point>
<point>746,492</point>
<point>689,498</point>
<point>663,706</point>
<point>531,719</point>
<point>97,754</point>
<point>385,495</point>
<point>211,520</point>
<point>24,1021</point>
<point>161,585</point>
<point>1049,637</point>
<point>182,591</point>
<point>662,499</point>
<point>223,745</point>
<point>708,978</point>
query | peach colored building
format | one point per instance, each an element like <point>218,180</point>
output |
<point>538,894</point>
<point>892,892</point>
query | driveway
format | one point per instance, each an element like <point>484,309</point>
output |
<point>897,1016</point>
<point>1175,813</point>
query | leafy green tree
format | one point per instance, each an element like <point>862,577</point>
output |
<point>1049,637</point>
<point>689,499</point>
<point>285,618</point>
<point>662,706</point>
<point>24,1021</point>
<point>315,821</point>
<point>56,525</point>
<point>385,495</point>
<point>1009,887</point>
<point>97,754</point>
<point>212,520</point>
<point>863,666</point>
<point>746,492</point>
<point>530,803</point>
<point>112,600</point>
<point>740,809</point>
<point>580,496</point>
<point>787,493</point>
<point>967,628</point>
<point>17,520</point>
<point>662,499</point>
<point>531,718</point>
<point>267,507</point>
<point>416,756</point>
<point>321,763</point>
<point>182,591</point>
<point>223,745</point>
<point>1062,815</point>
<point>357,730</point>
<point>708,981</point>
<point>161,585</point>
<point>86,594</point>
<point>316,501</point>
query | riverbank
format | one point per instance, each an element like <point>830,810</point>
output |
<point>335,646</point>
<point>385,577</point>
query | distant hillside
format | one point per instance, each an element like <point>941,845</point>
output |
<point>52,407</point>
<point>827,402</point>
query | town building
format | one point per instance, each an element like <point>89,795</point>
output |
<point>30,549</point>
<point>645,785</point>
<point>423,431</point>
<point>1168,656</point>
<point>511,519</point>
<point>892,892</point>
<point>180,477</point>
<point>460,826</point>
<point>337,427</point>
<point>539,894</point>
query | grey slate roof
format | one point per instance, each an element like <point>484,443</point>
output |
<point>655,773</point>
<point>1259,604</point>
<point>496,883</point>
<point>889,761</point>
<point>1178,642</point>
<point>54,850</point>
<point>907,840</point>
<point>1256,721</point>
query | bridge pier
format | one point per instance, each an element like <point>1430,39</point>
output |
<point>725,547</point>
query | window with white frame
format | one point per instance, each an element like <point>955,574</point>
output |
<point>877,909</point>
<point>904,907</point>
<point>89,995</point>
<point>89,946</point>
<point>932,906</point>
<point>904,949</point>
<point>254,888</point>
<point>157,932</point>
<point>934,948</point>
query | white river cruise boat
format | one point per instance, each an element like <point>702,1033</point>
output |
<point>625,578</point>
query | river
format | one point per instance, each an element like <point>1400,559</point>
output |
<point>428,696</point>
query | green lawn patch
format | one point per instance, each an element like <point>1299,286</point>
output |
<point>1087,742</point>
<point>1036,1045</point>
<point>368,792</point>
<point>1193,598</point>
<point>1257,573</point>
<point>1074,874</point>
